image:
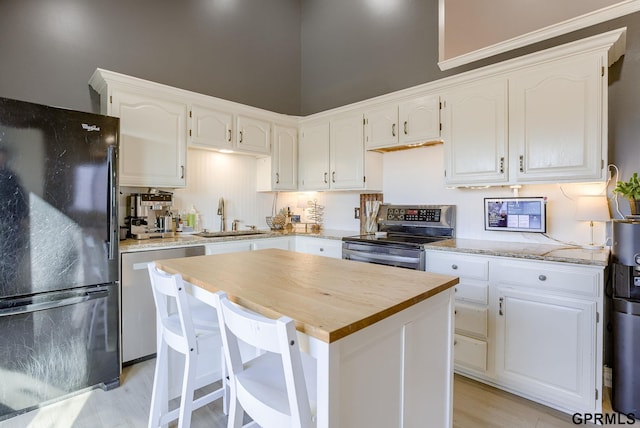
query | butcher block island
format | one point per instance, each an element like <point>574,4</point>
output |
<point>382,336</point>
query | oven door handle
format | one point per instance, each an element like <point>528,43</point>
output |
<point>374,256</point>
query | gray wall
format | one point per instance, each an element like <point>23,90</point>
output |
<point>351,53</point>
<point>241,50</point>
<point>289,56</point>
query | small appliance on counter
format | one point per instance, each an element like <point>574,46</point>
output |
<point>149,215</point>
<point>625,394</point>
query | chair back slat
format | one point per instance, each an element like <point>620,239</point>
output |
<point>275,336</point>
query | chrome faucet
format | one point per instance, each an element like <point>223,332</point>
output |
<point>223,226</point>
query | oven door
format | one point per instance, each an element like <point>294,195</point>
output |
<point>409,257</point>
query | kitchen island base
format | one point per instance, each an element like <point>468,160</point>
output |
<point>397,372</point>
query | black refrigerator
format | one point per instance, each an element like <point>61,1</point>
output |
<point>59,298</point>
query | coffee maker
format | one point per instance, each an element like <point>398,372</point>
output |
<point>625,314</point>
<point>149,215</point>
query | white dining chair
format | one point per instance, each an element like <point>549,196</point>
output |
<point>277,389</point>
<point>184,325</point>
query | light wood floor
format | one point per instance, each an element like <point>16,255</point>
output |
<point>475,405</point>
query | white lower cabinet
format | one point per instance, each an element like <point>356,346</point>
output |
<point>530,327</point>
<point>319,246</point>
<point>283,243</point>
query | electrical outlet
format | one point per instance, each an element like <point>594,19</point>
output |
<point>356,212</point>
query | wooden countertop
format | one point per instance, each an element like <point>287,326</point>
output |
<point>328,298</point>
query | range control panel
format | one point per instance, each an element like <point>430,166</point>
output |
<point>414,214</point>
<point>417,215</point>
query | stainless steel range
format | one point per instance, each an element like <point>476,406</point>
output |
<point>402,232</point>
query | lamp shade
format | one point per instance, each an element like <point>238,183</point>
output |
<point>592,208</point>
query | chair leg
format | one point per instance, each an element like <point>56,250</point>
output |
<point>225,383</point>
<point>159,399</point>
<point>188,387</point>
<point>236,413</point>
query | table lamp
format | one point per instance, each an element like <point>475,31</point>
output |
<point>592,208</point>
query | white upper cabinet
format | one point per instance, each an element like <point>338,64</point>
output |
<point>347,152</point>
<point>211,128</point>
<point>253,135</point>
<point>419,120</point>
<point>280,170</point>
<point>475,132</point>
<point>314,156</point>
<point>414,121</point>
<point>556,114</point>
<point>332,156</point>
<point>381,126</point>
<point>153,136</point>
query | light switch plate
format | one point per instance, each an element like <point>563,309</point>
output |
<point>356,212</point>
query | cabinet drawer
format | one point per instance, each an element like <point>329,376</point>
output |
<point>458,265</point>
<point>472,291</point>
<point>470,353</point>
<point>574,279</point>
<point>471,319</point>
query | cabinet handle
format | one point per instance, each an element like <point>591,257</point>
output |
<point>333,177</point>
<point>454,267</point>
<point>277,178</point>
<point>521,163</point>
<point>500,308</point>
<point>405,128</point>
<point>321,250</point>
<point>229,135</point>
<point>393,130</point>
<point>455,312</point>
<point>240,136</point>
<point>181,171</point>
<point>502,165</point>
<point>325,178</point>
<point>542,277</point>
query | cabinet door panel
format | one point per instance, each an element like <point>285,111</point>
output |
<point>347,152</point>
<point>254,135</point>
<point>545,346</point>
<point>556,120</point>
<point>381,128</point>
<point>285,159</point>
<point>211,128</point>
<point>475,133</point>
<point>419,120</point>
<point>313,156</point>
<point>152,139</point>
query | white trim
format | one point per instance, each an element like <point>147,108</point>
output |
<point>620,9</point>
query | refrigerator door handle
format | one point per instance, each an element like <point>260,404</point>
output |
<point>114,233</point>
<point>29,307</point>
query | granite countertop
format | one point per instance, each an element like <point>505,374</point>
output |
<point>187,240</point>
<point>531,251</point>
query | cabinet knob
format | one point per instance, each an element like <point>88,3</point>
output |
<point>454,267</point>
<point>542,277</point>
<point>321,250</point>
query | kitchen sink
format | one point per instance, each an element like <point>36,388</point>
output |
<point>210,234</point>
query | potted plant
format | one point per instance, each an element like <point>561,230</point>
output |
<point>630,190</point>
